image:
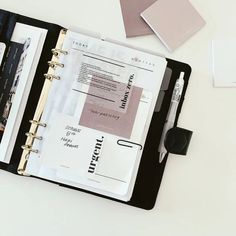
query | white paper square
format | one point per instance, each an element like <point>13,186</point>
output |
<point>223,67</point>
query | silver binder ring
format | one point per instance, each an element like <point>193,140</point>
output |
<point>56,52</point>
<point>29,148</point>
<point>38,123</point>
<point>32,135</point>
<point>52,77</point>
<point>54,64</point>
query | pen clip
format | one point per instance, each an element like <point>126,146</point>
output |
<point>127,143</point>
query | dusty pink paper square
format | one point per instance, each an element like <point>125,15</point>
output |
<point>173,21</point>
<point>134,24</point>
<point>110,120</point>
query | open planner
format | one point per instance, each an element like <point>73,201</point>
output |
<point>83,111</point>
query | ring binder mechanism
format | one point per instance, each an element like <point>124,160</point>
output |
<point>29,148</point>
<point>52,77</point>
<point>38,123</point>
<point>56,52</point>
<point>35,122</point>
<point>54,64</point>
<point>28,134</point>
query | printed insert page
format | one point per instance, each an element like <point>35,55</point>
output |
<point>98,125</point>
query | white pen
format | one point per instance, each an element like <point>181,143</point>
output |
<point>170,119</point>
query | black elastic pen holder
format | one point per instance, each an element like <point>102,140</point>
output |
<point>177,140</point>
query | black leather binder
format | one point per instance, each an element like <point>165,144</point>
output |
<point>150,170</point>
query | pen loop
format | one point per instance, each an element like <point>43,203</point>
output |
<point>126,143</point>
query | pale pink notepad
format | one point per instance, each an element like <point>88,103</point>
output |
<point>134,24</point>
<point>173,21</point>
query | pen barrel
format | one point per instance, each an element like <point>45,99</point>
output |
<point>170,120</point>
<point>161,147</point>
<point>177,91</point>
<point>172,112</point>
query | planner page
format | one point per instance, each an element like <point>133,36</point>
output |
<point>97,116</point>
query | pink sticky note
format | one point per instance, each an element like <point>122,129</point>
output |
<point>173,21</point>
<point>134,24</point>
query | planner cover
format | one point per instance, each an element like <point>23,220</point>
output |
<point>150,171</point>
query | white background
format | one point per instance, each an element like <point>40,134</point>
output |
<point>198,192</point>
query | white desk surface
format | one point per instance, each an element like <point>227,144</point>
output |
<point>198,192</point>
